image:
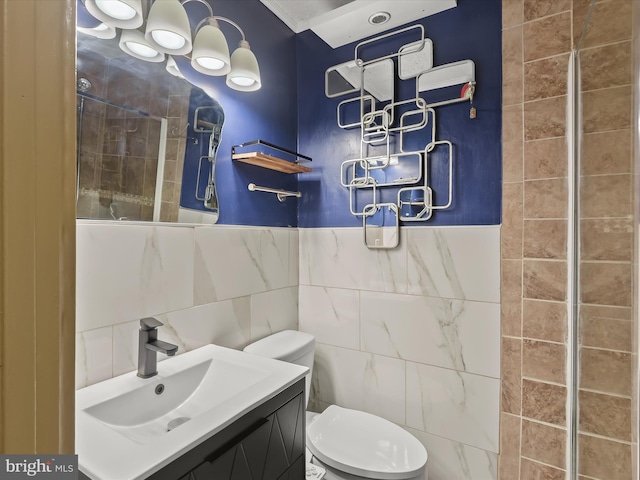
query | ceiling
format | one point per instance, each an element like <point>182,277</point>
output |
<point>339,22</point>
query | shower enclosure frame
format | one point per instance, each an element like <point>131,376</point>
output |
<point>574,258</point>
<point>635,126</point>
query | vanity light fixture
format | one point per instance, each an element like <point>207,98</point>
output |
<point>210,53</point>
<point>172,68</point>
<point>168,27</point>
<point>135,44</point>
<point>117,13</point>
<point>103,31</point>
<point>245,73</point>
<point>167,31</point>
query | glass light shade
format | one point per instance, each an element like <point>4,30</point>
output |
<point>245,73</point>
<point>103,31</point>
<point>117,13</point>
<point>134,43</point>
<point>210,53</point>
<point>172,68</point>
<point>116,9</point>
<point>168,29</point>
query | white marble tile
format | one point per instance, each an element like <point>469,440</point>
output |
<point>454,405</point>
<point>455,262</point>
<point>124,272</point>
<point>338,257</point>
<point>359,380</point>
<point>225,323</point>
<point>93,356</point>
<point>125,347</point>
<point>456,334</point>
<point>234,262</point>
<point>331,315</point>
<point>294,257</point>
<point>448,460</point>
<point>273,312</point>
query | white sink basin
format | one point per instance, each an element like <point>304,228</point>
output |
<point>126,430</point>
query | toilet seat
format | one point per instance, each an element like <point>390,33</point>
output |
<point>365,445</point>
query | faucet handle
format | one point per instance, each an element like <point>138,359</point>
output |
<point>150,323</point>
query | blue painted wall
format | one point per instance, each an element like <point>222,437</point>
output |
<point>470,31</point>
<point>268,114</point>
<point>291,110</point>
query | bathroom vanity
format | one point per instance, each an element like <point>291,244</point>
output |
<point>213,412</point>
<point>266,443</point>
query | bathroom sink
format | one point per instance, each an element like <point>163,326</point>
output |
<point>165,403</point>
<point>128,427</point>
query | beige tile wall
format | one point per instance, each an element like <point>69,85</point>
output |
<point>538,36</point>
<point>606,236</point>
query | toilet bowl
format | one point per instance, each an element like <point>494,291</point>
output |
<point>349,444</point>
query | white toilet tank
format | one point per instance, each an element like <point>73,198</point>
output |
<point>289,346</point>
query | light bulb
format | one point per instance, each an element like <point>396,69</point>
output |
<point>210,63</point>
<point>243,81</point>
<point>167,39</point>
<point>134,43</point>
<point>142,50</point>
<point>116,9</point>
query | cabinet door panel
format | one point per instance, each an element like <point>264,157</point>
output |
<point>291,421</point>
<point>255,450</point>
<point>220,468</point>
<point>277,458</point>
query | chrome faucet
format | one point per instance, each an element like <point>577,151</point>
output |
<point>149,345</point>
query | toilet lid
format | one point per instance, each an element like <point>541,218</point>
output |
<point>366,445</point>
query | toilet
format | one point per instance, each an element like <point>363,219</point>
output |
<point>348,444</point>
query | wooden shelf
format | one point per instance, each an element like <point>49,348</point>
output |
<point>272,163</point>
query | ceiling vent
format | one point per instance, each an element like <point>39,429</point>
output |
<point>379,18</point>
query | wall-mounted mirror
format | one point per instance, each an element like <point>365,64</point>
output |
<point>348,78</point>
<point>133,131</point>
<point>381,225</point>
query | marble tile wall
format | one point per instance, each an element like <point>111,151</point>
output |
<point>206,284</point>
<point>538,36</point>
<point>412,335</point>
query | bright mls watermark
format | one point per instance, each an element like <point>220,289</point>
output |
<point>50,467</point>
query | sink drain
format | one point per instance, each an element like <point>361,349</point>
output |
<point>176,422</point>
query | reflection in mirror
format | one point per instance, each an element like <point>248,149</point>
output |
<point>415,58</point>
<point>208,120</point>
<point>121,161</point>
<point>381,225</point>
<point>348,78</point>
<point>133,130</point>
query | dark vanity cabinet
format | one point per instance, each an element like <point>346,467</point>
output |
<point>267,443</point>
